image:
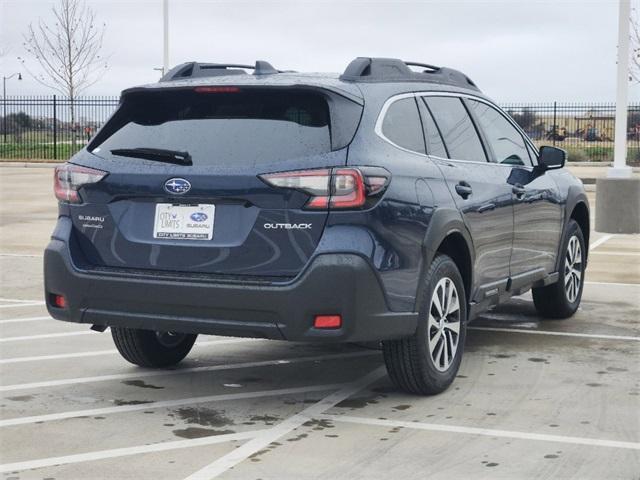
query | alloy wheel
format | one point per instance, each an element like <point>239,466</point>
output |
<point>444,324</point>
<point>573,269</point>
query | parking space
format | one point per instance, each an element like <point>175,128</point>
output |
<point>533,399</point>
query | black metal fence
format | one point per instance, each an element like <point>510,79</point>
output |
<point>45,127</point>
<point>585,130</point>
<point>50,127</point>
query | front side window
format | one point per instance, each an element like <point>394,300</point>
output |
<point>401,125</point>
<point>457,129</point>
<point>504,139</point>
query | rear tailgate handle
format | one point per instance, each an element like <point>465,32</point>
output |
<point>464,189</point>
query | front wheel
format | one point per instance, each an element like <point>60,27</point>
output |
<point>147,348</point>
<point>561,299</point>
<point>427,362</point>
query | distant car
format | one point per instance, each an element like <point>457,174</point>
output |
<point>392,203</point>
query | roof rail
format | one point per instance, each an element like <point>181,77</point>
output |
<point>195,69</point>
<point>366,69</point>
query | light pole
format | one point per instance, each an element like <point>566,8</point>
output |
<point>165,24</point>
<point>4,104</point>
<point>620,168</point>
<point>618,194</point>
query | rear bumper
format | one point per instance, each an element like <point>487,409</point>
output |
<point>337,283</point>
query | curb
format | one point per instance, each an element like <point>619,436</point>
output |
<point>29,164</point>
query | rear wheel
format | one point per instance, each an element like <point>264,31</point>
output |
<point>561,299</point>
<point>427,362</point>
<point>152,349</point>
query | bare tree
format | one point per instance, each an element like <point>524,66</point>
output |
<point>634,68</point>
<point>68,51</point>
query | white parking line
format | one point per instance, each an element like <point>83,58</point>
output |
<point>559,334</point>
<point>613,284</point>
<point>620,254</point>
<point>16,305</point>
<point>94,353</point>
<point>26,319</point>
<point>128,451</point>
<point>166,404</point>
<point>45,358</point>
<point>46,335</point>
<point>434,427</point>
<point>15,300</point>
<point>599,242</point>
<point>29,255</point>
<point>258,443</point>
<point>180,371</point>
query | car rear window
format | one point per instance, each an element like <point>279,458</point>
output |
<point>401,125</point>
<point>237,128</point>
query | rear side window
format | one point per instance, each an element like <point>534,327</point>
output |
<point>457,129</point>
<point>435,146</point>
<point>504,139</point>
<point>243,128</point>
<point>402,126</point>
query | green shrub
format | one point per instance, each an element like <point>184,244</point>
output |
<point>44,151</point>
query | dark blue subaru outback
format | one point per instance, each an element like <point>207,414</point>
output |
<point>392,203</point>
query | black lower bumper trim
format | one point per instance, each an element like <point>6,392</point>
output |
<point>343,284</point>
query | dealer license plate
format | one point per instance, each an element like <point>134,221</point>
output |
<point>184,222</point>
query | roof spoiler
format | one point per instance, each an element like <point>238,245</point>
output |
<point>195,70</point>
<point>366,69</point>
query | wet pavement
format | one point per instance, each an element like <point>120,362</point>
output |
<point>533,399</point>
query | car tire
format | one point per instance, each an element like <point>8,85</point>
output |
<point>427,362</point>
<point>151,349</point>
<point>560,300</point>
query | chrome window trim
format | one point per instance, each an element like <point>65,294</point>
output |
<point>391,100</point>
<point>383,113</point>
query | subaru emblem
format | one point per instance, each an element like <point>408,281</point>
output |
<point>199,216</point>
<point>177,186</point>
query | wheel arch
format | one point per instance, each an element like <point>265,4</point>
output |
<point>580,214</point>
<point>576,208</point>
<point>448,234</point>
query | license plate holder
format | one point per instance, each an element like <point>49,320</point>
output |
<point>184,222</point>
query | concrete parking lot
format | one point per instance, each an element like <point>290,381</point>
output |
<point>534,399</point>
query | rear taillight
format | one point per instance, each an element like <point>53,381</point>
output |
<point>338,188</point>
<point>69,178</point>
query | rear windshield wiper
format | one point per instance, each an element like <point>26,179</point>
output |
<point>158,154</point>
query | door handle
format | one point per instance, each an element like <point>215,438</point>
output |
<point>519,191</point>
<point>464,189</point>
<point>487,207</point>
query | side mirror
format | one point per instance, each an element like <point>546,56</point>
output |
<point>551,158</point>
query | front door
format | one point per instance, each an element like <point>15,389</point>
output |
<point>537,208</point>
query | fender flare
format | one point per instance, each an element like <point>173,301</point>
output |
<point>575,195</point>
<point>444,222</point>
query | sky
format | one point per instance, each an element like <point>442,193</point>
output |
<point>514,50</point>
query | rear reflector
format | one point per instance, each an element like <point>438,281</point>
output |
<point>327,321</point>
<point>59,301</point>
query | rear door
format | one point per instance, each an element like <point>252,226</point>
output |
<point>479,188</point>
<point>210,213</point>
